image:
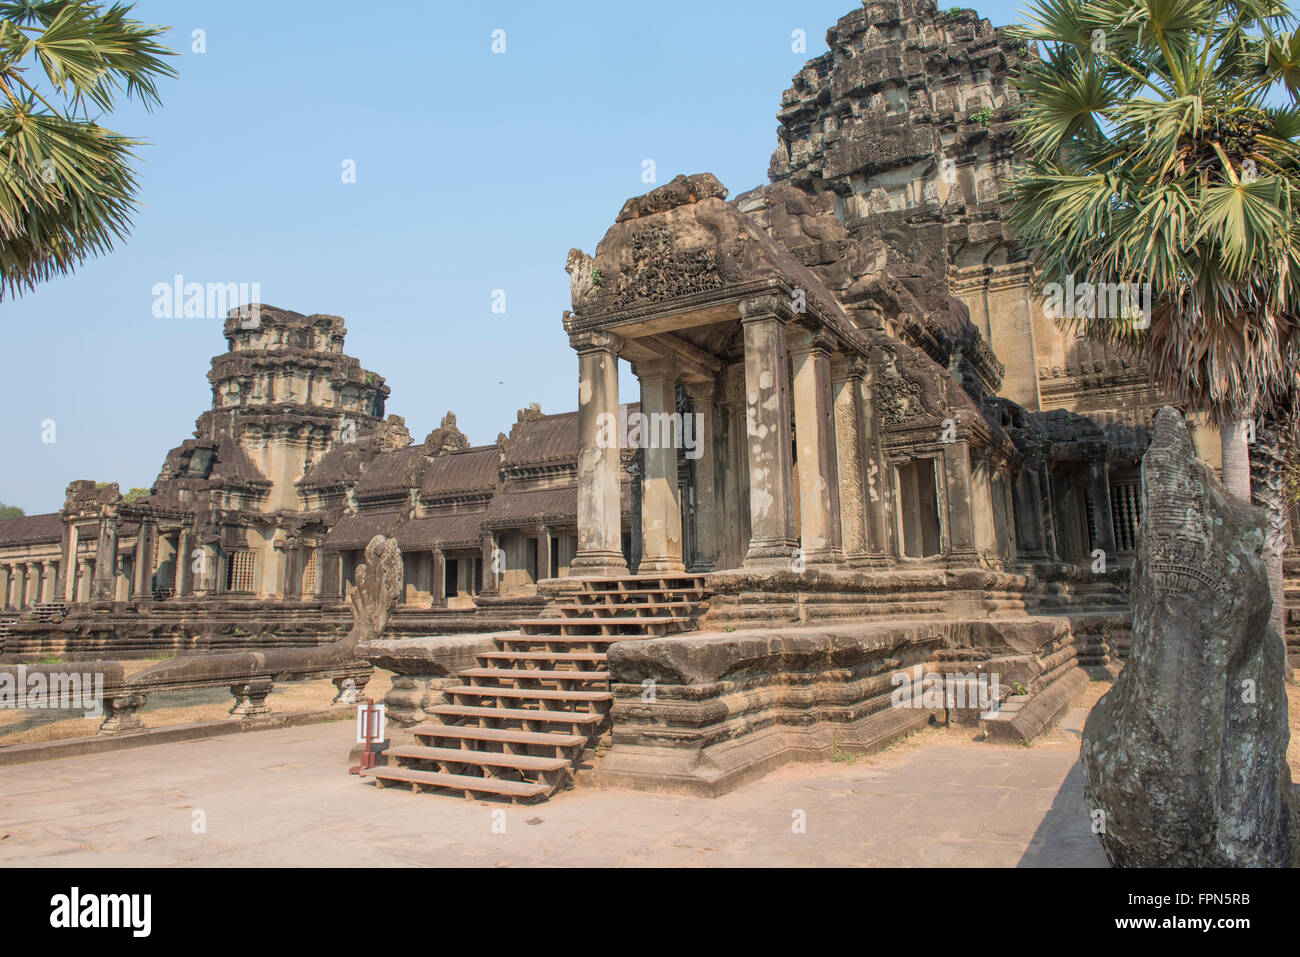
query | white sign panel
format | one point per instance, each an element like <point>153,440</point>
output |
<point>376,718</point>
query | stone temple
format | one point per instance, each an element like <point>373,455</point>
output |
<point>858,445</point>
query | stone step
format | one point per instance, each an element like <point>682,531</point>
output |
<point>529,694</point>
<point>579,657</point>
<point>502,735</point>
<point>586,623</point>
<point>627,609</point>
<point>573,718</point>
<point>496,759</point>
<point>533,674</point>
<point>457,782</point>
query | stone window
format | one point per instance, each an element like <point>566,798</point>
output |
<point>1126,514</point>
<point>309,576</point>
<point>918,508</point>
<point>239,570</point>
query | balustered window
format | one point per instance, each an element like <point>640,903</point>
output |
<point>1126,514</point>
<point>240,567</point>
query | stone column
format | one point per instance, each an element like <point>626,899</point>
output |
<point>957,504</point>
<point>184,563</point>
<point>661,506</point>
<point>1027,498</point>
<point>4,587</point>
<point>144,546</point>
<point>846,378</point>
<point>771,461</point>
<point>33,591</point>
<point>68,563</point>
<point>544,569</point>
<point>292,570</point>
<point>438,586</point>
<point>104,587</point>
<point>707,511</point>
<point>877,477</point>
<point>982,499</point>
<point>1101,517</point>
<point>492,578</point>
<point>85,576</point>
<point>735,525</point>
<point>600,532</point>
<point>327,574</point>
<point>814,423</point>
<point>49,581</point>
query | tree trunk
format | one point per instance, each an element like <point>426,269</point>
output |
<point>1236,458</point>
<point>1268,491</point>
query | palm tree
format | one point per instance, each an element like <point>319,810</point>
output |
<point>1160,147</point>
<point>66,189</point>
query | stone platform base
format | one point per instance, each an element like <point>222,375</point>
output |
<point>703,713</point>
<point>1025,722</point>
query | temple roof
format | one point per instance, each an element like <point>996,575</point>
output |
<point>31,529</point>
<point>473,470</point>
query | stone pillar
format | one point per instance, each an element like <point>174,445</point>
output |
<point>67,564</point>
<point>814,423</point>
<point>600,532</point>
<point>771,461</point>
<point>49,582</point>
<point>981,486</point>
<point>661,506</point>
<point>877,478</point>
<point>735,526</point>
<point>327,574</point>
<point>1101,517</point>
<point>707,512</point>
<point>32,595</point>
<point>292,570</point>
<point>104,587</point>
<point>4,587</point>
<point>184,563</point>
<point>1027,496</point>
<point>846,377</point>
<point>491,576</point>
<point>957,504</point>
<point>85,576</point>
<point>144,547</point>
<point>438,586</point>
<point>544,569</point>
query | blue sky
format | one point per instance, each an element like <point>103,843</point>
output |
<point>475,171</point>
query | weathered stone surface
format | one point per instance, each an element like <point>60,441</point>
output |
<point>1186,755</point>
<point>433,655</point>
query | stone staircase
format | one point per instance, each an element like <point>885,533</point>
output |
<point>532,712</point>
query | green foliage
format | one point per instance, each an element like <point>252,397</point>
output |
<point>135,494</point>
<point>595,277</point>
<point>1157,154</point>
<point>10,511</point>
<point>66,187</point>
<point>983,117</point>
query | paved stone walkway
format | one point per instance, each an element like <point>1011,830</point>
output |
<point>284,798</point>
